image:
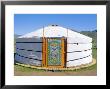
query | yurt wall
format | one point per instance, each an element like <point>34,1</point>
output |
<point>29,51</point>
<point>78,46</point>
<point>78,52</point>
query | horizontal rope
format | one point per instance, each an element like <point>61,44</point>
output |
<point>29,42</point>
<point>41,60</point>
<point>27,57</point>
<point>28,50</point>
<point>42,42</point>
<point>41,51</point>
<point>79,51</point>
<point>79,43</point>
<point>79,58</point>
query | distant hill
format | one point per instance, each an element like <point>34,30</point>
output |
<point>16,36</point>
<point>94,31</point>
<point>93,35</point>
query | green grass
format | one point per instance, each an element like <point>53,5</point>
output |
<point>93,67</point>
<point>94,53</point>
<point>26,69</point>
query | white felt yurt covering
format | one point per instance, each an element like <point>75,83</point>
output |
<point>29,46</point>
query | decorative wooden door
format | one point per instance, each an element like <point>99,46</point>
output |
<point>54,52</point>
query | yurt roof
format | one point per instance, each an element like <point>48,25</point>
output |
<point>55,31</point>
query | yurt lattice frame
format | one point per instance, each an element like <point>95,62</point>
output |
<point>61,49</point>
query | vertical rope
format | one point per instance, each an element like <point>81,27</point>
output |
<point>67,32</point>
<point>43,31</point>
<point>43,51</point>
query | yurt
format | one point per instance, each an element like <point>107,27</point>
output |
<point>54,46</point>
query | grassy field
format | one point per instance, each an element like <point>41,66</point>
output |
<point>94,53</point>
<point>23,71</point>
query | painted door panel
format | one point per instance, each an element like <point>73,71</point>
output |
<point>53,52</point>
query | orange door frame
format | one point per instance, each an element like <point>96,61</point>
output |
<point>45,54</point>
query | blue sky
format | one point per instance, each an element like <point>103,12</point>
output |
<point>25,23</point>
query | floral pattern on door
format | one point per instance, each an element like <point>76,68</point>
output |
<point>54,52</point>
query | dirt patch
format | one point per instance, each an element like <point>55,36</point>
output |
<point>50,73</point>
